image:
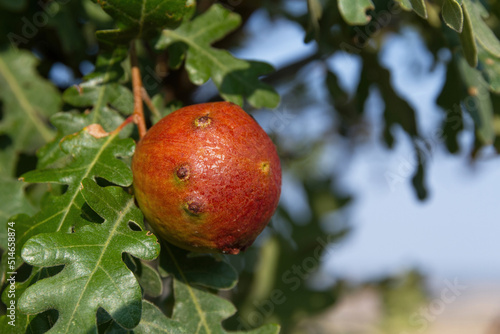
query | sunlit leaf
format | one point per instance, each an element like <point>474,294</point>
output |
<point>235,78</point>
<point>490,66</point>
<point>354,11</point>
<point>481,31</point>
<point>478,103</point>
<point>418,6</point>
<point>141,19</point>
<point>94,275</point>
<point>91,157</point>
<point>453,15</point>
<point>405,4</point>
<point>315,12</point>
<point>102,91</point>
<point>66,123</point>
<point>468,40</point>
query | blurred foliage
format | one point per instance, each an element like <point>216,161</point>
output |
<point>47,138</point>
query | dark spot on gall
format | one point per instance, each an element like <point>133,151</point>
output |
<point>193,207</point>
<point>202,121</point>
<point>183,172</point>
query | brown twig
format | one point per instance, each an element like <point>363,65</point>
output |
<point>149,103</point>
<point>137,89</point>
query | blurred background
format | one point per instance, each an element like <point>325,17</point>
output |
<point>387,220</point>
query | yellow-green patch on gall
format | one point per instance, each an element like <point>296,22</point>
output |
<point>203,121</point>
<point>265,167</point>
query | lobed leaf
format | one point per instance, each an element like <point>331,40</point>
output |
<point>28,323</point>
<point>21,223</point>
<point>198,310</point>
<point>148,277</point>
<point>102,92</point>
<point>153,321</point>
<point>91,158</point>
<point>94,275</point>
<point>354,11</point>
<point>13,200</point>
<point>202,312</point>
<point>141,19</point>
<point>202,270</point>
<point>28,100</point>
<point>51,154</point>
<point>235,78</point>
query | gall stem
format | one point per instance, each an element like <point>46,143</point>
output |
<point>137,90</point>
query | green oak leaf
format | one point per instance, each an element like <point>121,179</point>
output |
<point>354,11</point>
<point>91,157</point>
<point>453,15</point>
<point>478,104</point>
<point>468,41</point>
<point>153,321</point>
<point>51,154</point>
<point>102,92</point>
<point>490,66</point>
<point>202,270</point>
<point>405,4</point>
<point>235,78</point>
<point>94,275</point>
<point>13,200</point>
<point>28,100</point>
<point>197,309</point>
<point>39,323</point>
<point>8,157</point>
<point>482,33</point>
<point>315,9</point>
<point>202,312</point>
<point>149,278</point>
<point>142,18</point>
<point>21,223</point>
<point>418,6</point>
